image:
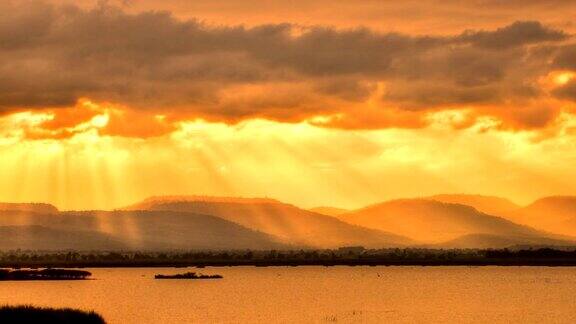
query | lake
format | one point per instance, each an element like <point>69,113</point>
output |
<point>315,295</point>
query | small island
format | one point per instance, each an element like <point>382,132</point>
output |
<point>45,274</point>
<point>31,314</point>
<point>187,275</point>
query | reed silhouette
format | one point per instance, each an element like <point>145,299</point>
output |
<point>31,314</point>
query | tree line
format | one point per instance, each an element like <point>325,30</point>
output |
<point>344,256</point>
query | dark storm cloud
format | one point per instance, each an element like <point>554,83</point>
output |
<point>567,91</point>
<point>566,58</point>
<point>517,34</point>
<point>50,56</point>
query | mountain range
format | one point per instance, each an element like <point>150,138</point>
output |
<point>202,222</point>
<point>448,224</point>
<point>555,214</point>
<point>288,223</point>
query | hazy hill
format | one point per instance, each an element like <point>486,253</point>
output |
<point>484,241</point>
<point>555,214</point>
<point>30,207</point>
<point>198,222</point>
<point>147,229</point>
<point>292,224</point>
<point>153,201</point>
<point>436,222</point>
<point>35,237</point>
<point>487,204</point>
<point>329,211</point>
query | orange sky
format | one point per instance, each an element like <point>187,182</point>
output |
<point>340,103</point>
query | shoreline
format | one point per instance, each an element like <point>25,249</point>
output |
<point>545,257</point>
<point>388,263</point>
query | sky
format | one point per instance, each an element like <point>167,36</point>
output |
<point>340,103</point>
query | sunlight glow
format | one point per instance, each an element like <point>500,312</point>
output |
<point>563,77</point>
<point>301,163</point>
<point>100,121</point>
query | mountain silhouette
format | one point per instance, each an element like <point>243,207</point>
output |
<point>29,207</point>
<point>555,214</point>
<point>329,211</point>
<point>145,229</point>
<point>487,204</point>
<point>436,222</point>
<point>489,241</point>
<point>36,237</point>
<point>216,223</point>
<point>292,224</point>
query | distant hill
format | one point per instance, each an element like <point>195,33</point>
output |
<point>437,222</point>
<point>555,214</point>
<point>329,211</point>
<point>35,237</point>
<point>293,225</point>
<point>154,200</point>
<point>199,222</point>
<point>30,207</point>
<point>144,229</point>
<point>487,204</point>
<point>485,241</point>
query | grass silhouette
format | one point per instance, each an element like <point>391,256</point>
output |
<point>31,314</point>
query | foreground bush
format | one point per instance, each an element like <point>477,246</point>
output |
<point>31,314</point>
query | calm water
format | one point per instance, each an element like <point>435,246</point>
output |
<point>316,295</point>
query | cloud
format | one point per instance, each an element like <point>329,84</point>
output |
<point>155,64</point>
<point>567,91</point>
<point>517,34</point>
<point>89,117</point>
<point>565,58</point>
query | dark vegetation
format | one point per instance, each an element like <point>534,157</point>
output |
<point>30,314</point>
<point>344,256</point>
<point>45,274</point>
<point>187,275</point>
